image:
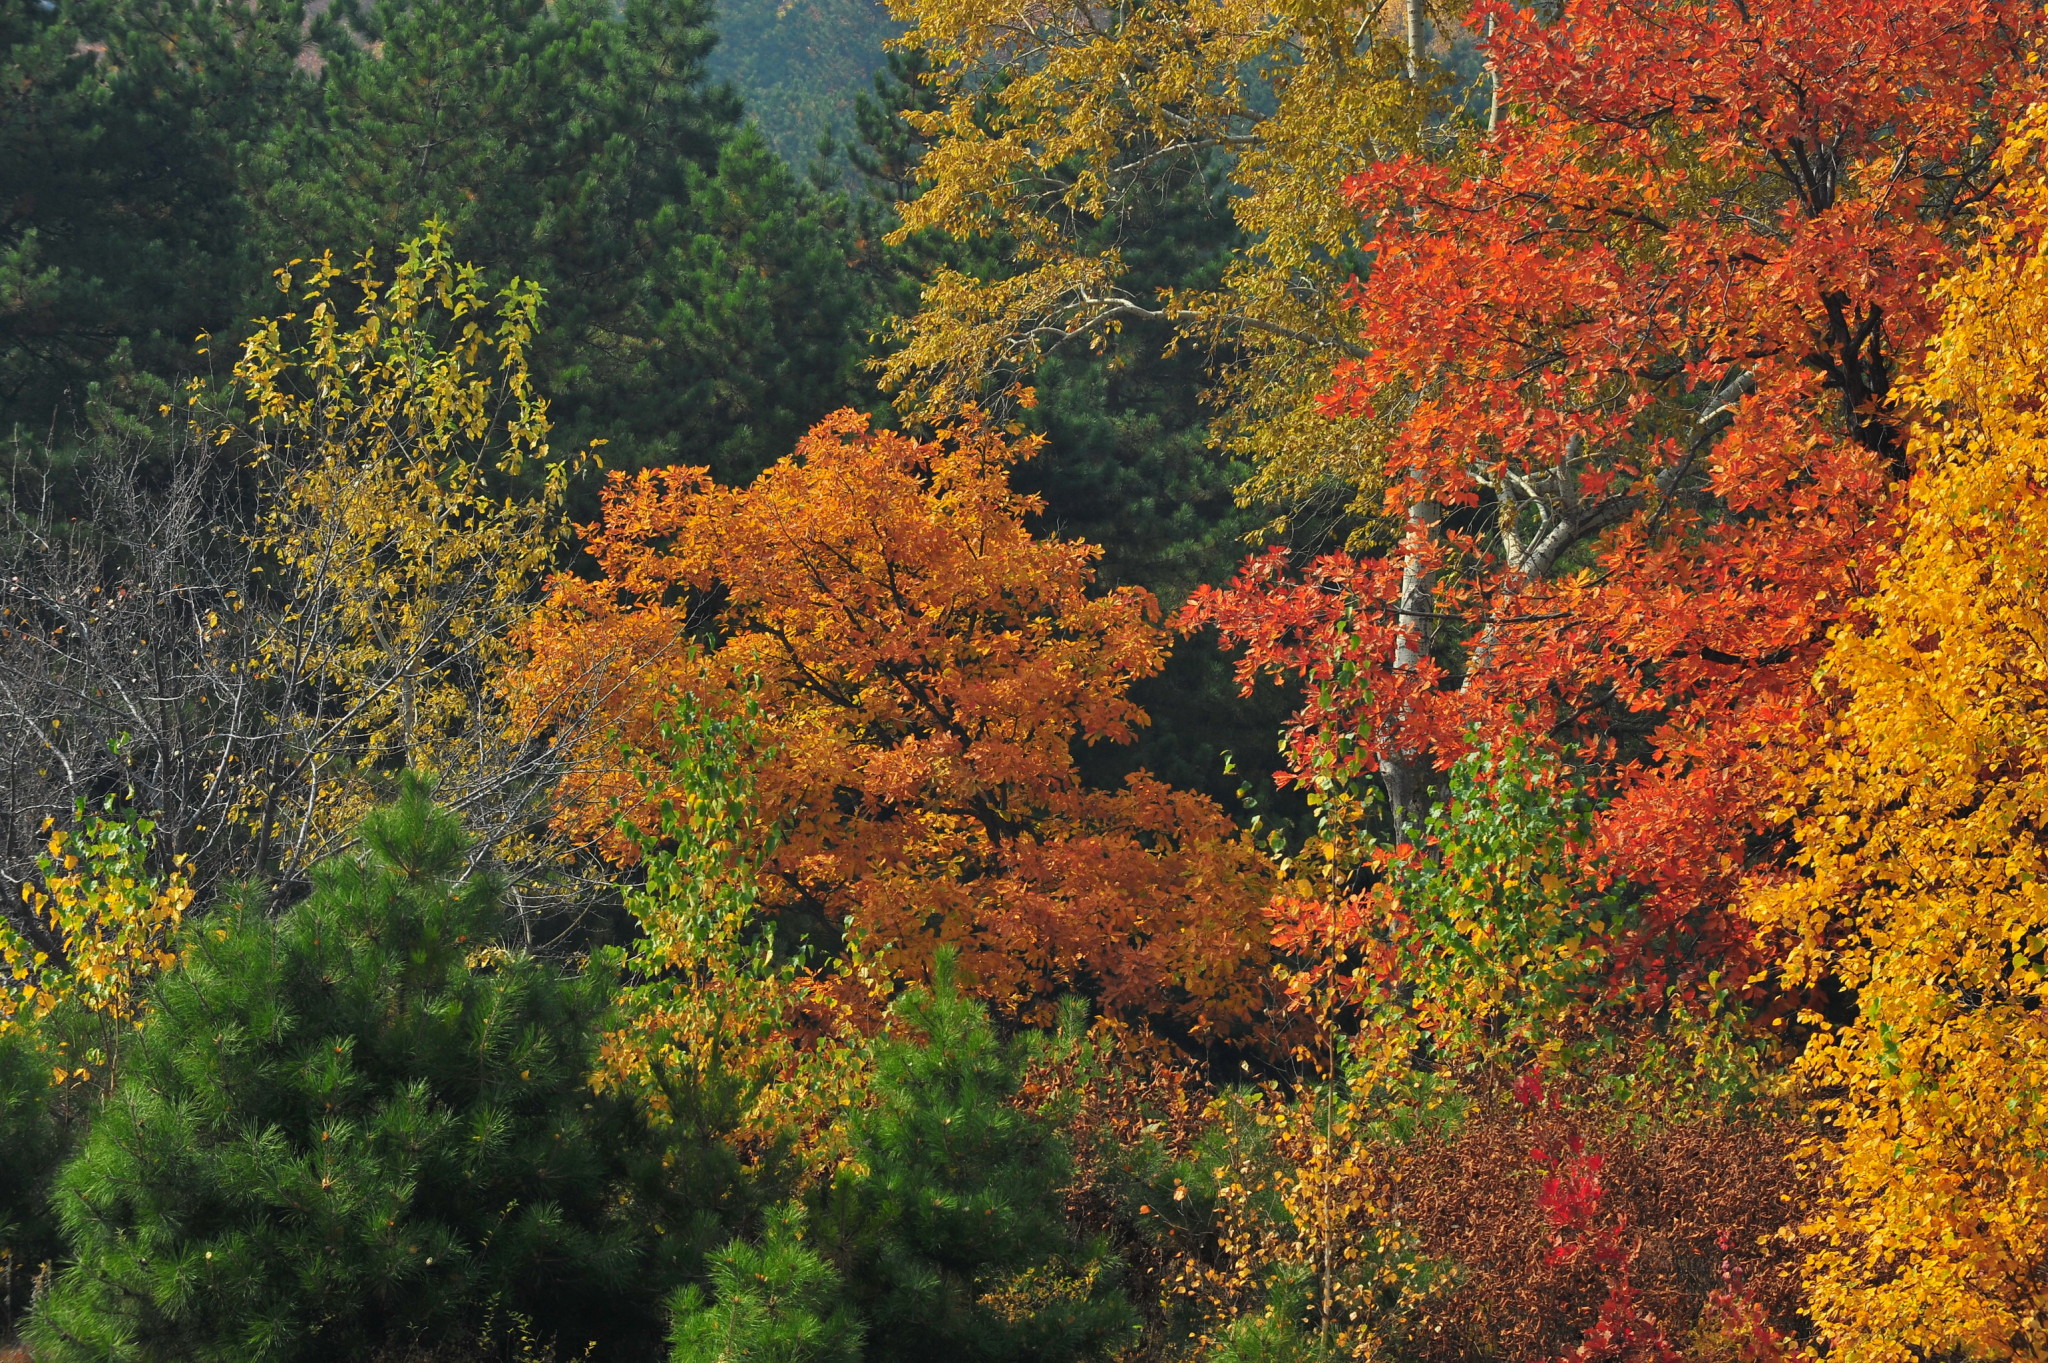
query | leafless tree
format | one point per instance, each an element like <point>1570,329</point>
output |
<point>150,651</point>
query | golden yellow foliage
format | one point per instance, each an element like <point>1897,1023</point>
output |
<point>1309,1241</point>
<point>1060,125</point>
<point>394,423</point>
<point>97,928</point>
<point>1923,823</point>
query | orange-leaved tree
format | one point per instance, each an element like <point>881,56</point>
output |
<point>924,668</point>
<point>1922,819</point>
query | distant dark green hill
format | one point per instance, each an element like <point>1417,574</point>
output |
<point>799,64</point>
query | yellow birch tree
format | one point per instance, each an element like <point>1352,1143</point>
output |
<point>410,510</point>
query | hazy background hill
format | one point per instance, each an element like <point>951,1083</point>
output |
<point>800,64</point>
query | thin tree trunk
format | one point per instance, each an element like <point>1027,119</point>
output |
<point>1408,771</point>
<point>1492,84</point>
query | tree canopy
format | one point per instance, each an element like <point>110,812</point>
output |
<point>1351,683</point>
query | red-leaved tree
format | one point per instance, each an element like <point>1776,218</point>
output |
<point>1636,352</point>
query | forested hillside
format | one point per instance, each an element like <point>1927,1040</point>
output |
<point>1228,685</point>
<point>802,67</point>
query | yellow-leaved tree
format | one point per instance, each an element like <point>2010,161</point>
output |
<point>1063,131</point>
<point>410,509</point>
<point>1923,826</point>
<point>93,930</point>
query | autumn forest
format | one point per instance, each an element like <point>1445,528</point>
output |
<point>1022,681</point>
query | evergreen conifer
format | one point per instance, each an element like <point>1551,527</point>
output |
<point>777,1301</point>
<point>31,1144</point>
<point>161,157</point>
<point>703,303</point>
<point>954,1238</point>
<point>128,129</point>
<point>365,1126</point>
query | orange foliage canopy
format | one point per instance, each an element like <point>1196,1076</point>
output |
<point>923,668</point>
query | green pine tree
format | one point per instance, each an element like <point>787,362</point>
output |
<point>365,1126</point>
<point>756,313</point>
<point>31,1146</point>
<point>777,1301</point>
<point>160,157</point>
<point>703,303</point>
<point>954,1240</point>
<point>127,130</point>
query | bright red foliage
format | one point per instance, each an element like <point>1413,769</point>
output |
<point>1638,353</point>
